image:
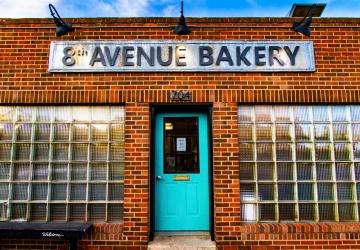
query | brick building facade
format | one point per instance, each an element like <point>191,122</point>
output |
<point>26,82</point>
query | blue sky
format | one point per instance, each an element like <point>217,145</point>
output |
<point>197,8</point>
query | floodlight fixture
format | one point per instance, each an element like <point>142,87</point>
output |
<point>182,28</point>
<point>62,28</point>
<point>303,27</point>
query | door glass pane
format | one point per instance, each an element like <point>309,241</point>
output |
<point>181,145</point>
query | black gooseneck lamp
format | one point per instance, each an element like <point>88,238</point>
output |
<point>182,28</point>
<point>303,27</point>
<point>62,28</point>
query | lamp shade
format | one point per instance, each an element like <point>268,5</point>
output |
<point>182,28</point>
<point>63,29</point>
<point>304,27</point>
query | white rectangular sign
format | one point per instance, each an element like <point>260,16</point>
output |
<point>181,144</point>
<point>160,55</point>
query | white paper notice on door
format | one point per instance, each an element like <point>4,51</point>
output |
<point>180,144</point>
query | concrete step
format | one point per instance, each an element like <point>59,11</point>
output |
<point>182,241</point>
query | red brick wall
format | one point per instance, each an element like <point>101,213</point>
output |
<point>24,46</point>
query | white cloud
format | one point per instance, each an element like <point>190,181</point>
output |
<point>138,8</point>
<point>25,8</point>
<point>68,8</point>
<point>171,10</point>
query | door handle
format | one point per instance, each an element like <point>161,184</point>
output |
<point>158,178</point>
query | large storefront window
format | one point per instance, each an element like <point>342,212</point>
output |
<point>299,163</point>
<point>61,163</point>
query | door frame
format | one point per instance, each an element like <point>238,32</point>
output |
<point>154,109</point>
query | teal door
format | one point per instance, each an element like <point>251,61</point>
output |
<point>181,172</point>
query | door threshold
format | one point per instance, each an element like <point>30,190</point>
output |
<point>182,233</point>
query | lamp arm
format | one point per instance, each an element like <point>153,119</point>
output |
<point>307,14</point>
<point>57,17</point>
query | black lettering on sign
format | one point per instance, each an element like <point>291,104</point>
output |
<point>205,56</point>
<point>180,54</point>
<point>149,59</point>
<point>127,54</point>
<point>111,58</point>
<point>291,55</point>
<point>259,55</point>
<point>224,56</point>
<point>169,54</point>
<point>97,56</point>
<point>68,59</point>
<point>274,54</point>
<point>241,56</point>
<point>180,95</point>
